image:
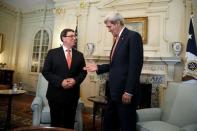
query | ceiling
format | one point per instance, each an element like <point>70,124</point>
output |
<point>27,5</point>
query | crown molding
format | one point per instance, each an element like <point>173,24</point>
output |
<point>132,4</point>
<point>8,9</point>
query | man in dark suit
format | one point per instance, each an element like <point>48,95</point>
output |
<point>63,69</point>
<point>126,61</point>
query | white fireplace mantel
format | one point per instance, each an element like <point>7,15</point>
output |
<point>160,66</point>
<point>146,58</point>
<point>152,65</point>
<point>166,59</point>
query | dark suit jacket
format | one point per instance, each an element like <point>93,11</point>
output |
<point>56,69</point>
<point>125,66</point>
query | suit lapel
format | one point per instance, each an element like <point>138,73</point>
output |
<point>112,49</point>
<point>120,42</point>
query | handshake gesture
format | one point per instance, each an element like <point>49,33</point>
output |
<point>91,67</point>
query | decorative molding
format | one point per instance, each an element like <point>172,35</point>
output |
<point>133,4</point>
<point>146,59</point>
<point>100,59</point>
<point>57,10</point>
<point>166,59</point>
<point>84,4</point>
<point>37,18</point>
<point>8,9</point>
<point>152,69</point>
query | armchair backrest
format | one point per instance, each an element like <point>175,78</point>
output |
<point>42,87</point>
<point>180,106</point>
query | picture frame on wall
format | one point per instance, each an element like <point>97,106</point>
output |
<point>138,24</point>
<point>1,42</point>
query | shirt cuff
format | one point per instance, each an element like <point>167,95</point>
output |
<point>128,94</point>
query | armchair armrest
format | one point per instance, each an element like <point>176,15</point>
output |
<point>78,117</point>
<point>192,127</point>
<point>149,114</point>
<point>36,107</point>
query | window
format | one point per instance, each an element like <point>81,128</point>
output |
<point>40,49</point>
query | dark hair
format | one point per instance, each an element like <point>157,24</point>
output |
<point>64,33</point>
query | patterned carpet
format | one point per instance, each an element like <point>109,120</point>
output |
<point>22,114</point>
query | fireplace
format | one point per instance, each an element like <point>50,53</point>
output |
<point>157,71</point>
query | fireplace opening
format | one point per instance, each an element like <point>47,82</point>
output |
<point>145,95</point>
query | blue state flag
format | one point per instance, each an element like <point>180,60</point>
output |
<point>191,54</point>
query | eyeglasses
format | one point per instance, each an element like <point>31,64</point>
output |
<point>71,36</point>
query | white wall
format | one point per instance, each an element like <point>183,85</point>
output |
<point>8,28</point>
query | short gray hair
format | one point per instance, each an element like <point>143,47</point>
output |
<point>114,18</point>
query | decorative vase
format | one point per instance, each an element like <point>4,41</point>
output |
<point>177,48</point>
<point>90,48</point>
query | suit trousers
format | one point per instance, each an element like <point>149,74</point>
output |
<point>120,116</point>
<point>63,114</point>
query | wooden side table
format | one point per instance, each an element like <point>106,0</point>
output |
<point>4,87</point>
<point>9,93</point>
<point>99,102</point>
<point>42,128</point>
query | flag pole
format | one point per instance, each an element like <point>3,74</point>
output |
<point>76,28</point>
<point>192,13</point>
<point>76,34</point>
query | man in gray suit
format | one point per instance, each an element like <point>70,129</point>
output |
<point>126,61</point>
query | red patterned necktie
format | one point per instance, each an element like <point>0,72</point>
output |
<point>68,58</point>
<point>114,47</point>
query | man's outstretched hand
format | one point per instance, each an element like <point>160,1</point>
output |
<point>91,67</point>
